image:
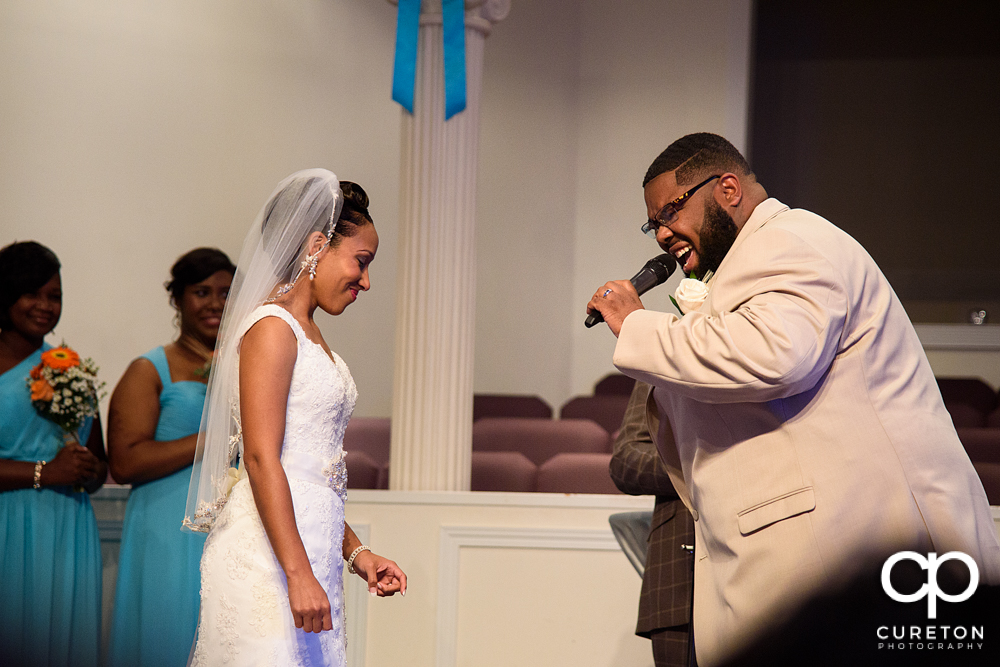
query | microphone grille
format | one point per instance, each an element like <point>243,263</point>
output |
<point>662,265</point>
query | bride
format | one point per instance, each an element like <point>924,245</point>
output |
<point>278,402</point>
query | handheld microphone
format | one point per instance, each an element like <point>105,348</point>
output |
<point>655,272</point>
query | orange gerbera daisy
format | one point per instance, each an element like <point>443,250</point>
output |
<point>41,390</point>
<point>60,358</point>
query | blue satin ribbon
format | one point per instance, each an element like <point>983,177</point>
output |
<point>454,56</point>
<point>405,67</point>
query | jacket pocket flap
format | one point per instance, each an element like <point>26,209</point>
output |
<point>788,505</point>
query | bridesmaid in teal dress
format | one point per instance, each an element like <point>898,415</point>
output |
<point>50,551</point>
<point>153,423</point>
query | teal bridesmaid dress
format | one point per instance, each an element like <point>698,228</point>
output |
<point>157,595</point>
<point>50,550</point>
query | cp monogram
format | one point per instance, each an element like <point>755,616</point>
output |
<point>930,589</point>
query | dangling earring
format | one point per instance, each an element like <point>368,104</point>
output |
<point>309,263</point>
<point>312,261</point>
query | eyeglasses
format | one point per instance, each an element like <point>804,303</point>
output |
<point>668,214</point>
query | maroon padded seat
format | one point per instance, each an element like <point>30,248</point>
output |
<point>981,444</point>
<point>362,471</point>
<point>574,472</point>
<point>993,419</point>
<point>539,439</point>
<point>983,447</point>
<point>615,383</point>
<point>509,405</point>
<point>608,410</point>
<point>369,435</point>
<point>989,475</point>
<point>969,400</point>
<point>503,471</point>
<point>964,415</point>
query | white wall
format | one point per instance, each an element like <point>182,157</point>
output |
<point>648,76</point>
<point>578,98</point>
<point>525,210</point>
<point>134,131</point>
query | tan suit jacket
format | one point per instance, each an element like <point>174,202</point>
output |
<point>808,435</point>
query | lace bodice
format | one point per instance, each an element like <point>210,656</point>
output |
<point>321,397</point>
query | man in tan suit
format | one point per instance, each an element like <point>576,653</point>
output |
<point>806,431</point>
<point>665,599</point>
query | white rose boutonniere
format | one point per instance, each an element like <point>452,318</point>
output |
<point>690,294</point>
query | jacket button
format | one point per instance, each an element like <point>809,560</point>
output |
<point>694,513</point>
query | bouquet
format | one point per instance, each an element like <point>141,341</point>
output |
<point>64,389</point>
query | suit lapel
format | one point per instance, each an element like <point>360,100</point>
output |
<point>664,439</point>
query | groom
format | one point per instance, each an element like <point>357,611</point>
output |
<point>806,431</point>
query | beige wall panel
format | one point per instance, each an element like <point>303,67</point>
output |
<point>983,364</point>
<point>556,559</point>
<point>548,607</point>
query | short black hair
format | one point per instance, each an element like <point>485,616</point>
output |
<point>194,266</point>
<point>696,157</point>
<point>354,214</point>
<point>24,268</point>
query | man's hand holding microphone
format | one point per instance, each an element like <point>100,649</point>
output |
<point>614,300</point>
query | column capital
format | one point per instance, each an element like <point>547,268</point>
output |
<point>493,11</point>
<point>479,14</point>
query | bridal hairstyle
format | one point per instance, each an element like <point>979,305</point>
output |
<point>272,259</point>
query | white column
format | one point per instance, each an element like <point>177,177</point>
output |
<point>435,312</point>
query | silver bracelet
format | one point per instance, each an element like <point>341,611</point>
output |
<point>38,474</point>
<point>354,554</point>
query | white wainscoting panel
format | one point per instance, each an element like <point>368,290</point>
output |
<point>454,538</point>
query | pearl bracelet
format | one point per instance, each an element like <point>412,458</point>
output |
<point>38,474</point>
<point>354,554</point>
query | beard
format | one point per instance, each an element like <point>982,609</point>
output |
<point>718,233</point>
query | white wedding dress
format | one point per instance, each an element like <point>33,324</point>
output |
<point>245,617</point>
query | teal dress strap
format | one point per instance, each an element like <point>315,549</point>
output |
<point>158,357</point>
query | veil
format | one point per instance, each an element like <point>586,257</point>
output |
<point>272,259</point>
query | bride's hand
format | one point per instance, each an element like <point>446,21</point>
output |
<point>309,603</point>
<point>383,575</point>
